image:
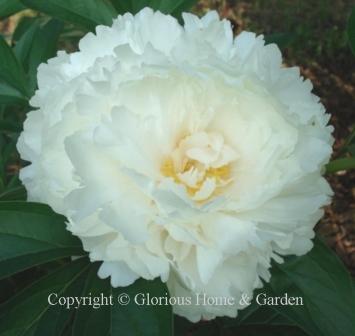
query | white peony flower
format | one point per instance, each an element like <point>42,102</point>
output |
<point>179,152</point>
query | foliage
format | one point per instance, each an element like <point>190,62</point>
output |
<point>9,7</point>
<point>348,161</point>
<point>351,30</point>
<point>317,27</point>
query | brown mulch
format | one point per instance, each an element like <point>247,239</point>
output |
<point>333,83</point>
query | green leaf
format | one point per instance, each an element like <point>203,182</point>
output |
<point>32,234</point>
<point>15,194</point>
<point>351,149</point>
<point>182,326</point>
<point>9,150</point>
<point>9,95</point>
<point>86,13</point>
<point>43,47</point>
<point>9,126</point>
<point>351,30</point>
<point>264,315</point>
<point>340,164</point>
<point>206,329</point>
<point>11,71</point>
<point>134,6</point>
<point>133,319</point>
<point>183,6</point>
<point>36,46</point>
<point>79,279</point>
<point>255,318</point>
<point>56,318</point>
<point>174,7</point>
<point>116,319</point>
<point>22,27</point>
<point>23,46</point>
<point>326,288</point>
<point>90,321</point>
<point>29,311</point>
<point>349,145</point>
<point>9,7</point>
<point>268,330</point>
<point>281,39</point>
<point>7,289</point>
<point>14,181</point>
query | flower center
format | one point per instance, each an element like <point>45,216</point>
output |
<point>202,163</point>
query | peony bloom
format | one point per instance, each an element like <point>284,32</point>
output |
<point>179,152</point>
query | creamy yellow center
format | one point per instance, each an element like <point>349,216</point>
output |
<point>202,163</point>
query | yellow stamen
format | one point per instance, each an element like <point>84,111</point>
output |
<point>220,174</point>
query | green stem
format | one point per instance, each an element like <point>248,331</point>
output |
<point>340,164</point>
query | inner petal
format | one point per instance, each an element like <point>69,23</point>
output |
<point>202,163</point>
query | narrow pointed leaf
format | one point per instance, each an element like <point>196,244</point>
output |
<point>346,163</point>
<point>10,95</point>
<point>9,7</point>
<point>14,194</point>
<point>36,46</point>
<point>9,126</point>
<point>351,30</point>
<point>23,46</point>
<point>135,319</point>
<point>32,234</point>
<point>44,46</point>
<point>129,320</point>
<point>268,330</point>
<point>174,7</point>
<point>90,321</point>
<point>23,313</point>
<point>86,13</point>
<point>11,71</point>
<point>281,39</point>
<point>326,287</point>
<point>57,318</point>
<point>23,25</point>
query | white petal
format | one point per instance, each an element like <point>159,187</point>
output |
<point>121,275</point>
